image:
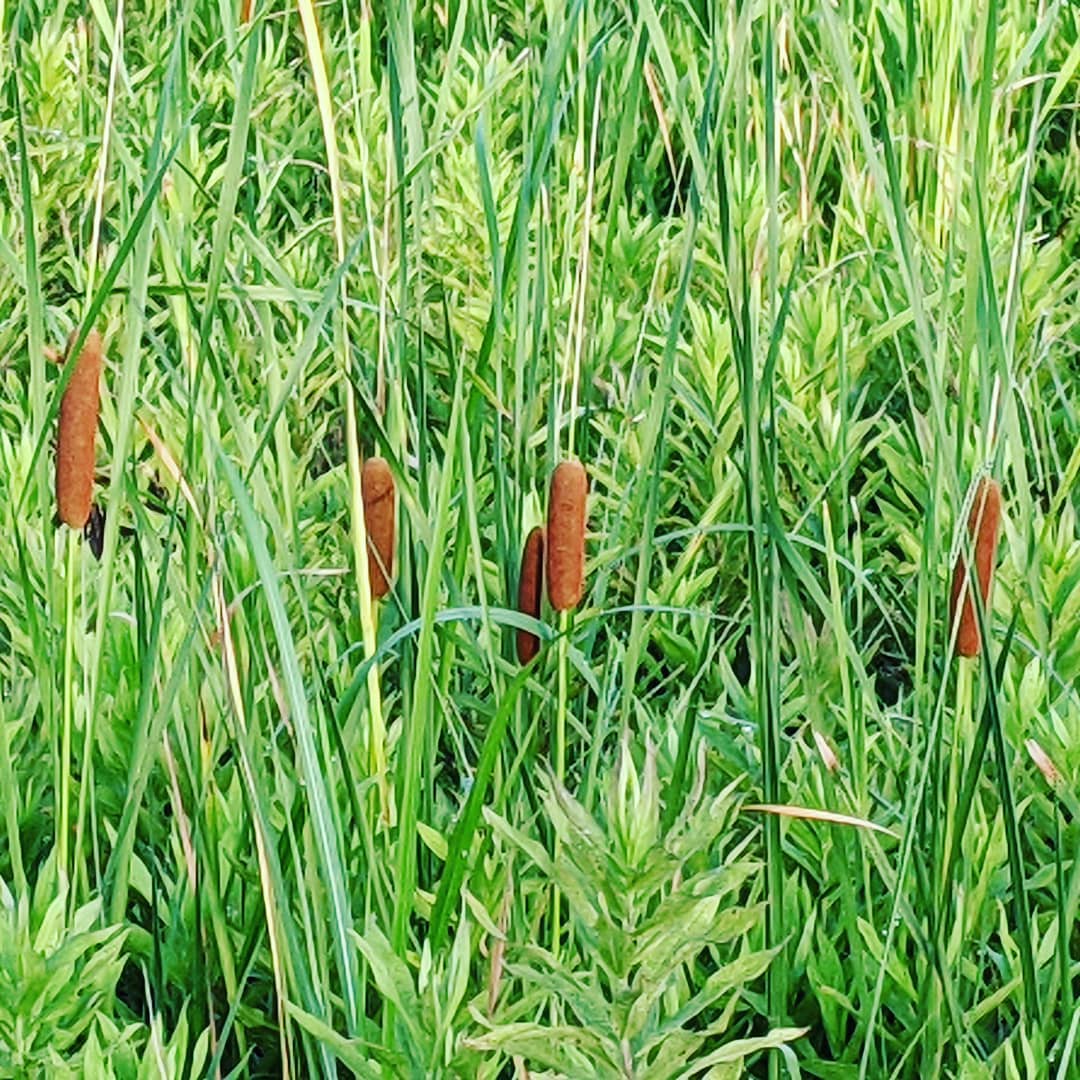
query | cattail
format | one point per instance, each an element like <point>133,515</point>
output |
<point>530,590</point>
<point>983,523</point>
<point>78,428</point>
<point>377,491</point>
<point>566,535</point>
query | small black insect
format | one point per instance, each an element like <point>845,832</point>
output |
<point>94,531</point>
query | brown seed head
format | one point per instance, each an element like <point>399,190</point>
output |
<point>377,490</point>
<point>76,434</point>
<point>530,591</point>
<point>566,535</point>
<point>984,522</point>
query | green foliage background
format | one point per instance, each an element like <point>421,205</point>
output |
<point>787,277</point>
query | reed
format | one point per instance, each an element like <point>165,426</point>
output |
<point>530,591</point>
<point>565,547</point>
<point>380,521</point>
<point>984,523</point>
<point>76,435</point>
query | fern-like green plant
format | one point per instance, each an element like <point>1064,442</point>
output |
<point>429,1018</point>
<point>59,1015</point>
<point>662,926</point>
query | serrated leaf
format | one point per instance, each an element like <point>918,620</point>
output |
<point>457,979</point>
<point>733,976</point>
<point>673,1055</point>
<point>580,901</point>
<point>679,921</point>
<point>347,1051</point>
<point>570,1049</point>
<point>584,850</point>
<point>395,983</point>
<point>578,991</point>
<point>734,1052</point>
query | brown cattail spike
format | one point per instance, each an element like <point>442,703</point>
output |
<point>377,490</point>
<point>566,535</point>
<point>983,525</point>
<point>78,429</point>
<point>530,591</point>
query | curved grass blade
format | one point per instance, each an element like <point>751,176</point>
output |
<point>316,787</point>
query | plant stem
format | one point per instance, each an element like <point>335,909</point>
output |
<point>64,827</point>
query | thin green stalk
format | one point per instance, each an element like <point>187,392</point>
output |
<point>461,839</point>
<point>560,765</point>
<point>1014,842</point>
<point>64,825</point>
<point>318,791</point>
<point>416,733</point>
<point>11,804</point>
<point>376,725</point>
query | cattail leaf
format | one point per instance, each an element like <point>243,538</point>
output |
<point>316,790</point>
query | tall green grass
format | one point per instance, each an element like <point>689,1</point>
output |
<point>786,277</point>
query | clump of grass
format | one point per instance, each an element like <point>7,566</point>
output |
<point>76,435</point>
<point>380,514</point>
<point>609,233</point>
<point>984,524</point>
<point>530,591</point>
<point>566,535</point>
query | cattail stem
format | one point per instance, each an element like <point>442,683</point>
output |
<point>952,753</point>
<point>64,792</point>
<point>560,769</point>
<point>565,559</point>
